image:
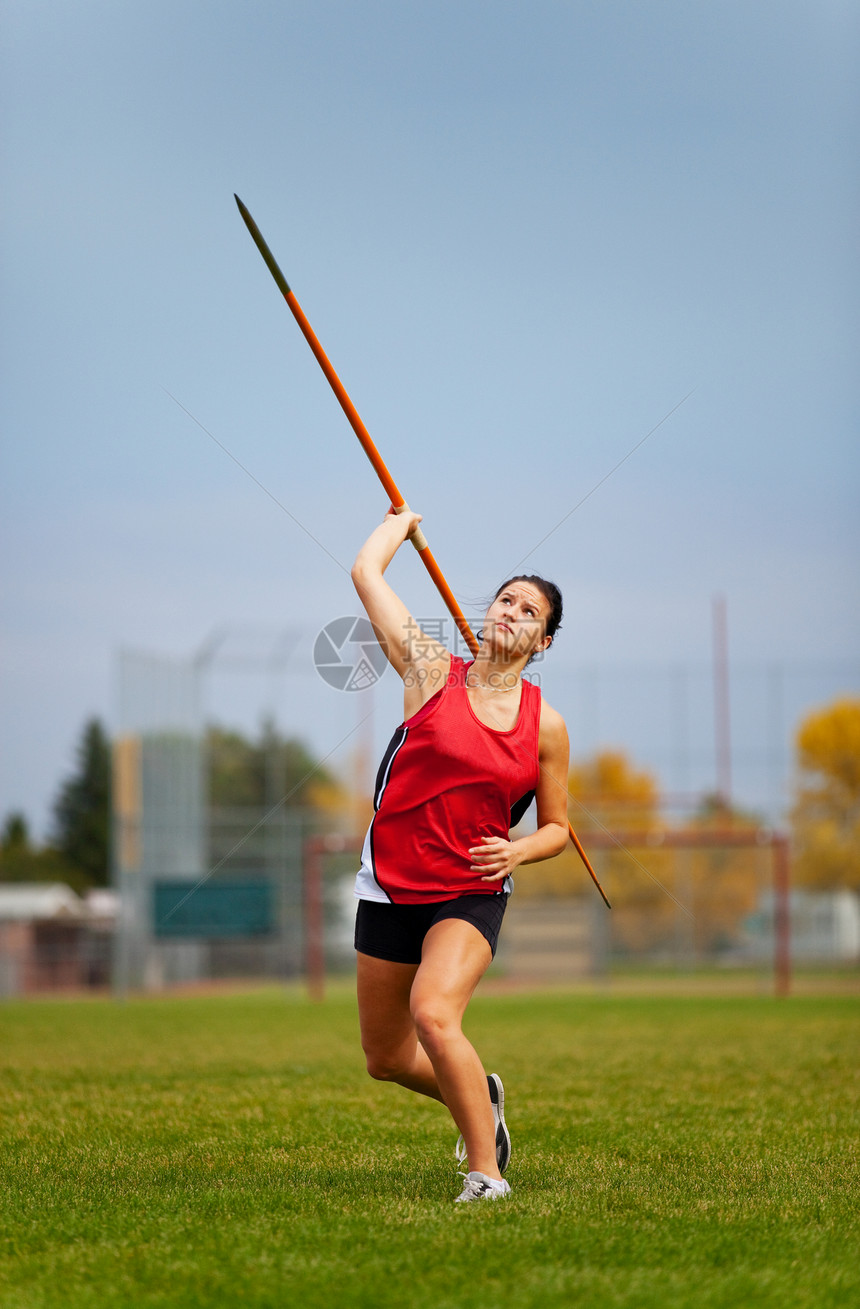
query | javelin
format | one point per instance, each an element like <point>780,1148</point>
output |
<point>398,501</point>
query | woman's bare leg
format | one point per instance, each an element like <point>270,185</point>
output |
<point>454,959</point>
<point>388,1036</point>
<point>411,1030</point>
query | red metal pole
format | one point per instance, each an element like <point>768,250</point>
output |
<point>722,713</point>
<point>398,502</point>
<point>313,907</point>
<point>781,917</point>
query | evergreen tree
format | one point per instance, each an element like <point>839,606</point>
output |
<point>22,861</point>
<point>82,809</point>
<point>15,836</point>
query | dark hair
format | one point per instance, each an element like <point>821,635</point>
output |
<point>549,591</point>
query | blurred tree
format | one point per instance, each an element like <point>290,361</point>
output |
<point>612,794</point>
<point>22,861</point>
<point>826,814</point>
<point>235,777</point>
<point>259,774</point>
<point>608,793</point>
<point>15,837</point>
<point>722,884</point>
<point>716,812</point>
<point>81,833</point>
<point>680,903</point>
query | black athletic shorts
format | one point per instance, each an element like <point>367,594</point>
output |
<point>396,931</point>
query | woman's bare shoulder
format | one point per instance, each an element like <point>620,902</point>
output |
<point>423,679</point>
<point>552,726</point>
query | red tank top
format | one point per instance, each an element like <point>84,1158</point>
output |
<point>447,780</point>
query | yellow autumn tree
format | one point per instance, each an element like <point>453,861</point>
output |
<point>721,884</point>
<point>826,814</point>
<point>608,793</point>
<point>690,899</point>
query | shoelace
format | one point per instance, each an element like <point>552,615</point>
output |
<point>473,1187</point>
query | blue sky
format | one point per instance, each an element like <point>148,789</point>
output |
<point>523,233</point>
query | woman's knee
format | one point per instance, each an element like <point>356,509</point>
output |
<point>436,1023</point>
<point>384,1065</point>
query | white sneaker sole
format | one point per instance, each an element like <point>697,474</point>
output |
<point>503,1136</point>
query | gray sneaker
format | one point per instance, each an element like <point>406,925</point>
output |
<point>503,1138</point>
<point>478,1187</point>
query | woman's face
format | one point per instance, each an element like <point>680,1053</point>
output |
<point>516,620</point>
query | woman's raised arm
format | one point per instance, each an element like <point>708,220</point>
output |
<point>405,646</point>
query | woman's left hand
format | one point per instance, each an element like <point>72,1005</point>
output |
<point>495,857</point>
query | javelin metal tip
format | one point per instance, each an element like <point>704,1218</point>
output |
<point>257,237</point>
<point>244,211</point>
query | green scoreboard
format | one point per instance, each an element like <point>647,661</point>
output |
<point>242,907</point>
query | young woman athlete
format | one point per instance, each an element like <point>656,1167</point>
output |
<point>476,744</point>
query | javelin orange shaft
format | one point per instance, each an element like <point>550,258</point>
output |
<point>398,502</point>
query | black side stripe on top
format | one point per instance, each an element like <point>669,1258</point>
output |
<point>520,806</point>
<point>384,772</point>
<point>382,777</point>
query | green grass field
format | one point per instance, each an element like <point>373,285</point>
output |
<point>231,1151</point>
